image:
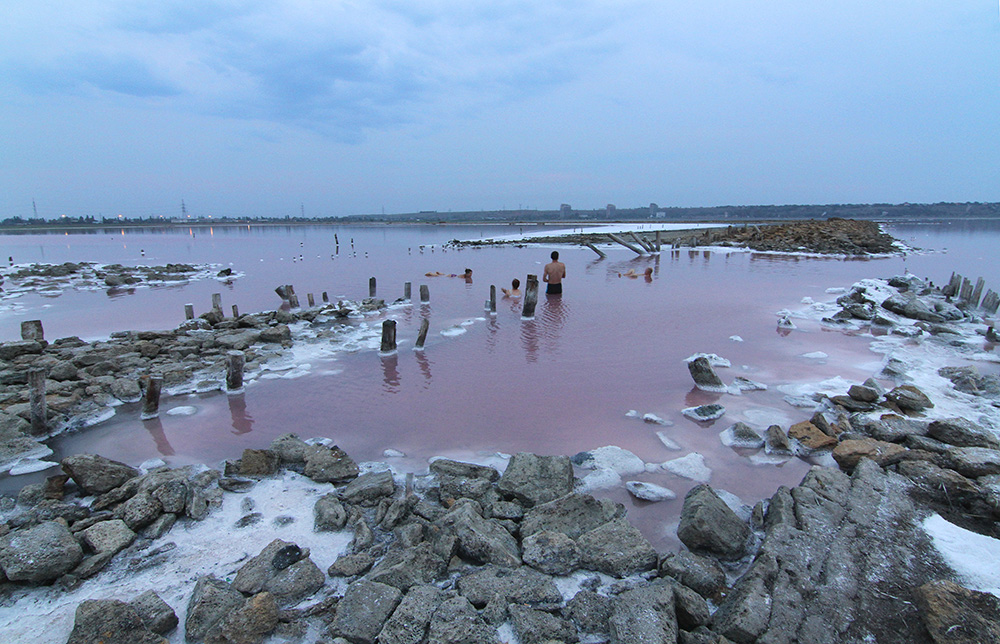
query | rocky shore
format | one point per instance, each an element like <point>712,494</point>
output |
<point>52,279</point>
<point>470,553</point>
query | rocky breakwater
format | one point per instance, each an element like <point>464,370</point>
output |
<point>51,279</point>
<point>831,236</point>
<point>85,381</point>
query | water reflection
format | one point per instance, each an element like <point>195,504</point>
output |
<point>242,421</point>
<point>390,372</point>
<point>155,428</point>
<point>529,339</point>
<point>424,364</point>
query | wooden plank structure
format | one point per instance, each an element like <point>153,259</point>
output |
<point>235,361</point>
<point>388,337</point>
<point>151,401</point>
<point>425,293</point>
<point>422,334</point>
<point>189,311</point>
<point>39,408</point>
<point>619,240</point>
<point>597,250</point>
<point>530,297</point>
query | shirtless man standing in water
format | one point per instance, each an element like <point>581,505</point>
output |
<point>554,273</point>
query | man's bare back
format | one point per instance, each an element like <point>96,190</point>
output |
<point>554,273</point>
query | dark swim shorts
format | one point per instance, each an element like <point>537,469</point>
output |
<point>553,289</point>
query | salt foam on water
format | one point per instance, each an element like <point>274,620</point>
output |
<point>691,467</point>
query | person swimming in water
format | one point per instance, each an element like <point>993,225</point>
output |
<point>514,290</point>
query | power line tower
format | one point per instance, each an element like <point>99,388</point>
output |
<point>34,208</point>
<point>184,210</point>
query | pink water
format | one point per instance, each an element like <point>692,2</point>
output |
<point>558,384</point>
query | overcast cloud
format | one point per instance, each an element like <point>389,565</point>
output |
<point>257,107</point>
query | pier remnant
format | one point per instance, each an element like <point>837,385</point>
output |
<point>530,297</point>
<point>388,336</point>
<point>234,370</point>
<point>326,298</point>
<point>422,334</point>
<point>492,302</point>
<point>616,238</point>
<point>371,287</point>
<point>39,408</point>
<point>217,303</point>
<point>977,292</point>
<point>236,311</point>
<point>310,299</point>
<point>189,311</point>
<point>32,330</point>
<point>425,293</point>
<point>407,288</point>
<point>151,402</point>
<point>597,250</point>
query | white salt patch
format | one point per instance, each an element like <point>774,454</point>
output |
<point>974,557</point>
<point>601,479</point>
<point>807,300</point>
<point>655,420</point>
<point>184,410</point>
<point>151,464</point>
<point>836,290</point>
<point>29,465</point>
<point>44,615</point>
<point>505,634</point>
<point>765,458</point>
<point>393,453</point>
<point>469,322</point>
<point>736,338</point>
<point>815,355</point>
<point>691,467</point>
<point>649,491</point>
<point>713,359</point>
<point>453,331</point>
<point>319,440</point>
<point>613,457</point>
<point>631,413</point>
<point>698,414</point>
<point>730,439</point>
<point>569,585</point>
<point>735,504</point>
<point>668,442</point>
<point>765,417</point>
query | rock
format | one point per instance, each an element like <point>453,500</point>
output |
<point>481,540</point>
<point>538,627</point>
<point>351,565</point>
<point>649,491</point>
<point>707,523</point>
<point>776,441</point>
<point>518,585</point>
<point>367,489</point>
<point>745,615</point>
<point>616,548</point>
<point>643,615</point>
<point>408,567</point>
<point>863,393</point>
<point>610,457</point>
<point>11,350</point>
<point>139,511</point>
<point>108,536</point>
<point>572,515</point>
<point>126,390</point>
<point>248,624</point>
<point>412,617</point>
<point>329,513</point>
<point>701,574</point>
<point>330,465</point>
<point>534,479</point>
<point>109,621</point>
<point>704,413</point>
<point>909,398</point>
<point>459,469</point>
<point>457,622</point>
<point>741,435</point>
<point>278,334</point>
<point>704,376</point>
<point>947,486</point>
<point>364,610</point>
<point>40,553</point>
<point>908,305</point>
<point>258,462</point>
<point>155,613</point>
<point>552,553</point>
<point>973,461</point>
<point>172,495</point>
<point>296,582</point>
<point>957,615</point>
<point>283,569</point>
<point>589,611</point>
<point>210,602</point>
<point>290,448</point>
<point>849,452</point>
<point>96,474</point>
<point>962,433</point>
<point>810,436</point>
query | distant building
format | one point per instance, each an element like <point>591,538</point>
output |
<point>653,209</point>
<point>610,210</point>
<point>565,210</point>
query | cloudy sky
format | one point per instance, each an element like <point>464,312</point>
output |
<point>266,107</point>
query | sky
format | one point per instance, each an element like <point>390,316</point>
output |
<point>332,108</point>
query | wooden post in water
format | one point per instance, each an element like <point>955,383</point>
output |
<point>371,287</point>
<point>189,311</point>
<point>39,409</point>
<point>645,245</point>
<point>310,299</point>
<point>407,290</point>
<point>388,336</point>
<point>493,299</point>
<point>658,241</point>
<point>217,302</point>
<point>236,311</point>
<point>425,293</point>
<point>32,330</point>
<point>293,299</point>
<point>966,293</point>
<point>151,403</point>
<point>990,302</point>
<point>234,371</point>
<point>326,298</point>
<point>422,334</point>
<point>597,250</point>
<point>530,297</point>
<point>976,292</point>
<point>616,238</point>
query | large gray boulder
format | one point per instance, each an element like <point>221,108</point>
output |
<point>458,469</point>
<point>707,523</point>
<point>704,375</point>
<point>616,548</point>
<point>590,612</point>
<point>284,570</point>
<point>644,615</point>
<point>539,627</point>
<point>701,574</point>
<point>211,601</point>
<point>974,461</point>
<point>96,474</point>
<point>329,513</point>
<point>534,479</point>
<point>571,515</point>
<point>369,488</point>
<point>552,553</point>
<point>364,610</point>
<point>457,622</point>
<point>408,567</point>
<point>479,539</point>
<point>108,536</point>
<point>909,398</point>
<point>290,448</point>
<point>110,621</point>
<point>518,585</point>
<point>247,624</point>
<point>910,306</point>
<point>958,615</point>
<point>39,554</point>
<point>330,465</point>
<point>155,613</point>
<point>412,617</point>
<point>962,432</point>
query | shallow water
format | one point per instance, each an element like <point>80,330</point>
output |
<point>558,384</point>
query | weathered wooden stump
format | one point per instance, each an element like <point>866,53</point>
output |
<point>371,287</point>
<point>189,311</point>
<point>407,288</point>
<point>388,336</point>
<point>530,297</point>
<point>310,299</point>
<point>32,330</point>
<point>151,402</point>
<point>234,370</point>
<point>425,293</point>
<point>39,408</point>
<point>493,299</point>
<point>422,334</point>
<point>236,311</point>
<point>326,298</point>
<point>217,302</point>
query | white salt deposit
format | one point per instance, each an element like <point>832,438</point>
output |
<point>604,478</point>
<point>735,504</point>
<point>735,338</point>
<point>704,412</point>
<point>668,442</point>
<point>212,546</point>
<point>649,491</point>
<point>393,453</point>
<point>614,458</point>
<point>29,465</point>
<point>653,419</point>
<point>730,439</point>
<point>815,355</point>
<point>183,410</point>
<point>836,290</point>
<point>765,417</point>
<point>631,413</point>
<point>807,300</point>
<point>974,557</point>
<point>713,359</point>
<point>453,331</point>
<point>691,467</point>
